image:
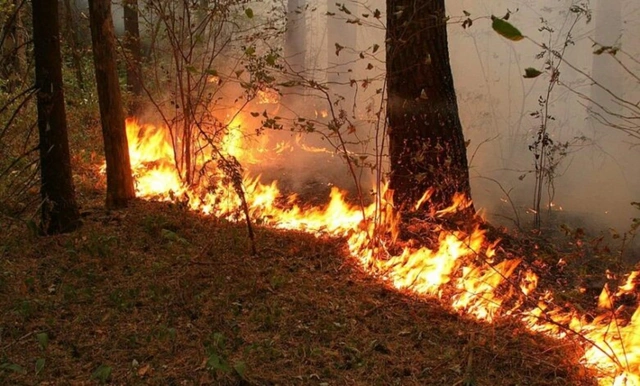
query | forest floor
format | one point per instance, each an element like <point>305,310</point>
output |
<point>158,295</point>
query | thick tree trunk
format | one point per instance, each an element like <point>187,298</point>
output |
<point>426,144</point>
<point>119,180</point>
<point>59,210</point>
<point>134,53</point>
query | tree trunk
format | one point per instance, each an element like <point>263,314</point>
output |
<point>12,47</point>
<point>59,209</point>
<point>116,150</point>
<point>342,54</point>
<point>74,45</point>
<point>294,50</point>
<point>133,52</point>
<point>426,144</point>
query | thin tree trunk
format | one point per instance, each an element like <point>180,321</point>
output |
<point>12,46</point>
<point>134,53</point>
<point>295,49</point>
<point>59,209</point>
<point>74,45</point>
<point>426,144</point>
<point>119,180</point>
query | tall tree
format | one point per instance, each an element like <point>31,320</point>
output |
<point>59,209</point>
<point>71,35</point>
<point>295,38</point>
<point>134,53</point>
<point>426,144</point>
<point>116,149</point>
<point>341,48</point>
<point>13,66</point>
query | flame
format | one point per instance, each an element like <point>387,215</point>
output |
<point>459,268</point>
<point>268,96</point>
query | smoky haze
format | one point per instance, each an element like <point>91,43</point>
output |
<point>596,177</point>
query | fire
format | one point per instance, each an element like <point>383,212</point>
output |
<point>268,96</point>
<point>460,270</point>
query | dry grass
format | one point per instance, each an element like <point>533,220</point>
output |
<point>156,295</point>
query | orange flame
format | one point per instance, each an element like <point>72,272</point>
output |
<point>461,265</point>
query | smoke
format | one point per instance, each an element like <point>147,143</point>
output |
<point>596,180</point>
<point>595,177</point>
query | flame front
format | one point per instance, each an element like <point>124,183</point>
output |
<point>460,270</point>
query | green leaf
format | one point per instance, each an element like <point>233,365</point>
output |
<point>102,373</point>
<point>249,13</point>
<point>506,29</point>
<point>16,368</point>
<point>43,340</point>
<point>240,368</point>
<point>531,72</point>
<point>39,365</point>
<point>172,236</point>
<point>211,71</point>
<point>250,50</point>
<point>192,69</point>
<point>215,363</point>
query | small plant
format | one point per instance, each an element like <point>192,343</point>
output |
<point>102,374</point>
<point>43,342</point>
<point>547,152</point>
<point>100,245</point>
<point>217,363</point>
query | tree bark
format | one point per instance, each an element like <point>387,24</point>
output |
<point>116,149</point>
<point>74,45</point>
<point>13,66</point>
<point>59,209</point>
<point>134,53</point>
<point>426,144</point>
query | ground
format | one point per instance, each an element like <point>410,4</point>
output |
<point>157,295</point>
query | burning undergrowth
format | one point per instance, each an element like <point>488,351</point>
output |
<point>298,305</point>
<point>460,267</point>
